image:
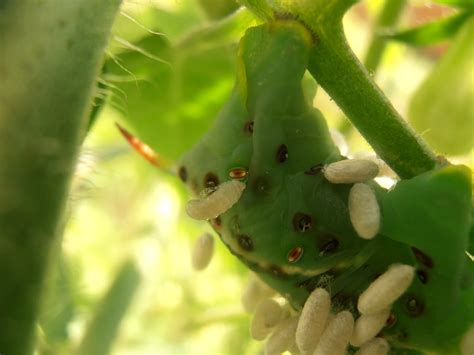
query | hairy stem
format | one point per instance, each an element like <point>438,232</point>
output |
<point>104,326</point>
<point>342,76</point>
<point>51,54</point>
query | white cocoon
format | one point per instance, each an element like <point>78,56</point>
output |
<point>386,289</point>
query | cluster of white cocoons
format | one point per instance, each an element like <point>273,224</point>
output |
<point>375,303</point>
<point>319,332</point>
<point>316,331</point>
<point>364,210</point>
<point>202,251</point>
<point>221,199</point>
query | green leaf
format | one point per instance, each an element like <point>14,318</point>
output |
<point>103,328</point>
<point>442,108</point>
<point>432,32</point>
<point>169,107</point>
<point>466,4</point>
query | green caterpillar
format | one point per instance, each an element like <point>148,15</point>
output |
<point>292,226</point>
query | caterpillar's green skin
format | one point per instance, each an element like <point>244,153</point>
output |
<point>260,228</point>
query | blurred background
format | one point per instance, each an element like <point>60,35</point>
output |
<point>124,282</point>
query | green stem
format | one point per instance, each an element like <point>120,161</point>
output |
<point>343,77</point>
<point>104,326</point>
<point>51,54</point>
<point>387,18</point>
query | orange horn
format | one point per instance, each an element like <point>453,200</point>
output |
<point>143,149</point>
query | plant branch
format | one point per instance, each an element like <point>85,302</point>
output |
<point>341,75</point>
<point>51,54</point>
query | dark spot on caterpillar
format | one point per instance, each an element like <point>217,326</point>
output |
<point>295,254</point>
<point>414,307</point>
<point>261,185</point>
<point>422,257</point>
<point>302,222</point>
<point>248,127</point>
<point>315,169</point>
<point>238,173</point>
<point>211,180</point>
<point>245,242</point>
<point>183,174</point>
<point>422,276</point>
<point>327,244</point>
<point>282,153</point>
<point>277,272</point>
<point>391,320</point>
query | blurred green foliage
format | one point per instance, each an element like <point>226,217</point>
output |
<point>443,107</point>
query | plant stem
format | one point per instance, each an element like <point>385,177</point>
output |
<point>51,54</point>
<point>337,70</point>
<point>342,76</point>
<point>104,326</point>
<point>387,18</point>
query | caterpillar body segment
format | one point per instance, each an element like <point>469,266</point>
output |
<point>438,241</point>
<point>292,222</point>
